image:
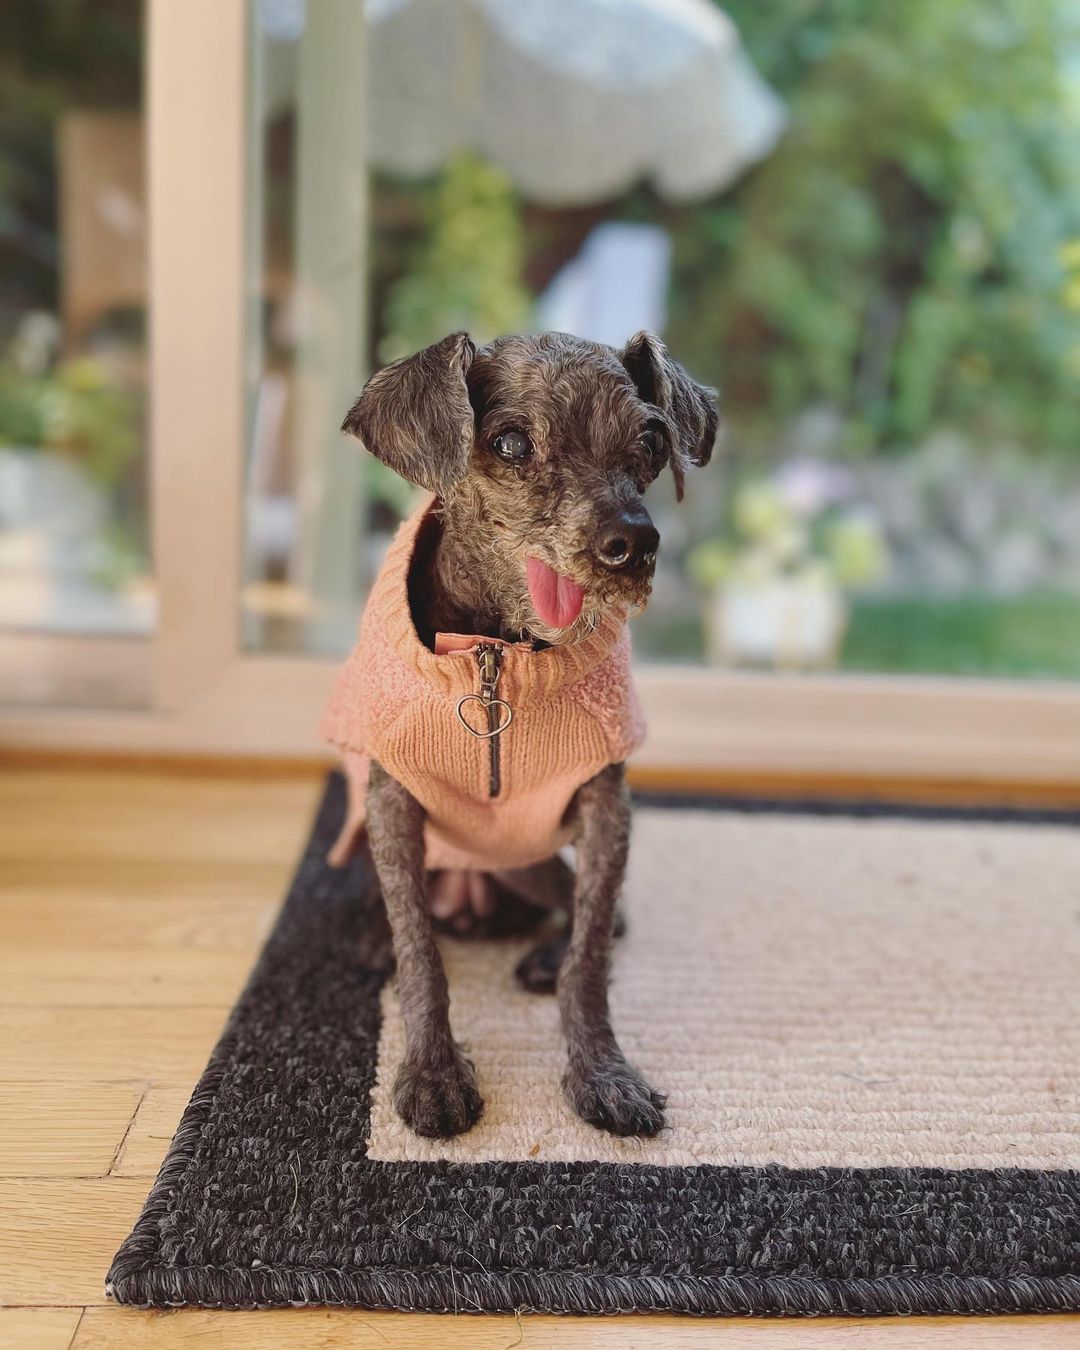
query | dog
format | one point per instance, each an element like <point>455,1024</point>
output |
<point>489,705</point>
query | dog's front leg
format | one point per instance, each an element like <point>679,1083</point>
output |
<point>600,1085</point>
<point>435,1088</point>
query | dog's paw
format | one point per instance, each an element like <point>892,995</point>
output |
<point>538,969</point>
<point>437,1101</point>
<point>612,1096</point>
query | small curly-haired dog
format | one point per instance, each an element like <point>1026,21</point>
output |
<point>538,450</point>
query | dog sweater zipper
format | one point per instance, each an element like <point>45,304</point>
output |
<point>490,660</point>
<point>497,712</point>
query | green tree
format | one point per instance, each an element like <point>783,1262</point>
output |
<point>908,253</point>
<point>467,273</point>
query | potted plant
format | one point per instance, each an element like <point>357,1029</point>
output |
<point>775,579</point>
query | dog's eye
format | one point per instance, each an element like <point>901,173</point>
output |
<point>652,440</point>
<point>513,446</point>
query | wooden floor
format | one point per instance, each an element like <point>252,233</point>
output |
<point>131,909</point>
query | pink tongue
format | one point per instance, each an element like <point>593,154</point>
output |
<point>556,599</point>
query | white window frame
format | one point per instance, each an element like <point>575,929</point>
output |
<point>206,696</point>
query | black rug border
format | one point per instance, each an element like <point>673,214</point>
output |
<point>139,1278</point>
<point>850,809</point>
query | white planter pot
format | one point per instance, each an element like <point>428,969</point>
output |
<point>53,526</point>
<point>45,491</point>
<point>782,622</point>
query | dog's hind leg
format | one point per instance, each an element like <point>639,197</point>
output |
<point>435,1088</point>
<point>550,885</point>
<point>474,904</point>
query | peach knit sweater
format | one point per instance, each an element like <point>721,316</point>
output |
<point>574,712</point>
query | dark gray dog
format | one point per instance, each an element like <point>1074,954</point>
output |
<point>540,445</point>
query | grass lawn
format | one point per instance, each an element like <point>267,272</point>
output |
<point>1036,635</point>
<point>1032,635</point>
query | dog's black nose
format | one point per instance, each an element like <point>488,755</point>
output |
<point>629,541</point>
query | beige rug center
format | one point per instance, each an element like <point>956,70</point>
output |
<point>808,992</point>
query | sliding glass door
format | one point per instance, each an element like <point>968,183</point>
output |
<point>863,229</point>
<point>885,300</point>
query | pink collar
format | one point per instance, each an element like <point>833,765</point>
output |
<point>465,642</point>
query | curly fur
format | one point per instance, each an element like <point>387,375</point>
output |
<point>433,418</point>
<point>602,425</point>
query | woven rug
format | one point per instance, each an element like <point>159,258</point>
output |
<point>867,1024</point>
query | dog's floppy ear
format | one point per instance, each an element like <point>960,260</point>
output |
<point>415,415</point>
<point>689,406</point>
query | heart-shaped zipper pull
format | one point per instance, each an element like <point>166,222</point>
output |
<point>486,704</point>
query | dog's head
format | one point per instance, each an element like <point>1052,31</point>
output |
<point>544,445</point>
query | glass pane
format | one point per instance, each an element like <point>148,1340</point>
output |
<point>862,223</point>
<point>74,549</point>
